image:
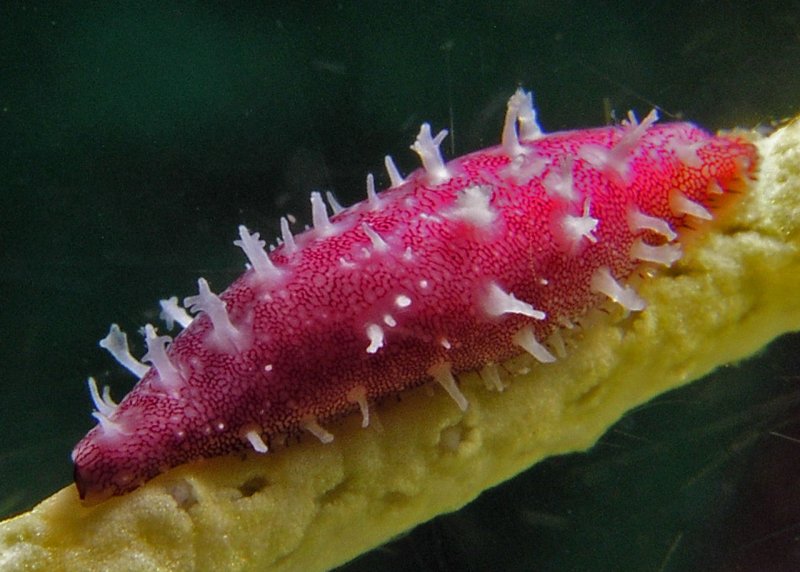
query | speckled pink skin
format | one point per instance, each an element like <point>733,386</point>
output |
<point>420,275</point>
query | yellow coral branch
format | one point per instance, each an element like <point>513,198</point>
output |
<point>314,506</point>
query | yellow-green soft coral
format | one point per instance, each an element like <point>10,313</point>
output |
<point>313,506</point>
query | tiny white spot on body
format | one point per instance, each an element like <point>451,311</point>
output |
<point>376,338</point>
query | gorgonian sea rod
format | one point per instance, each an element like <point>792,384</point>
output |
<point>457,267</point>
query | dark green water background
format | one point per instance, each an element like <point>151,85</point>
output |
<point>133,140</point>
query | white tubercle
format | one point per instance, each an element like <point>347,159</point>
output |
<point>427,148</point>
<point>395,178</point>
<point>116,342</point>
<point>443,375</point>
<point>319,215</point>
<point>224,335</point>
<point>529,129</point>
<point>336,206</point>
<point>634,129</point>
<point>499,302</point>
<point>253,437</point>
<point>681,205</point>
<point>104,405</point>
<point>311,425</point>
<point>523,168</point>
<point>376,338</point>
<point>490,374</point>
<point>556,341</point>
<point>714,188</point>
<point>510,138</point>
<point>577,227</point>
<point>104,409</point>
<point>615,161</point>
<point>289,245</point>
<point>520,123</point>
<point>359,395</point>
<point>254,250</point>
<point>378,244</point>
<point>156,355</point>
<point>526,339</point>
<point>603,282</point>
<point>638,221</point>
<point>634,132</point>
<point>172,312</point>
<point>472,205</point>
<point>739,183</point>
<point>686,152</point>
<point>558,182</point>
<point>664,254</point>
<point>372,197</point>
<point>109,427</point>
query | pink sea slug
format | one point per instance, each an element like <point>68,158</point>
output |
<point>457,267</point>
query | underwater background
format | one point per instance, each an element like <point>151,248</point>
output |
<point>135,138</point>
